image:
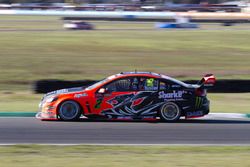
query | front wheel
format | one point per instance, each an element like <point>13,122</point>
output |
<point>170,112</point>
<point>69,110</point>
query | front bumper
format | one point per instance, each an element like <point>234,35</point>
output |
<point>46,112</point>
<point>46,116</point>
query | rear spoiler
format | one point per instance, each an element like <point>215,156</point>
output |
<point>207,81</point>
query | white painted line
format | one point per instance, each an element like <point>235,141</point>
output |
<point>226,115</point>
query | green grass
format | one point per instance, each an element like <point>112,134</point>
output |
<point>30,55</point>
<point>230,102</point>
<point>19,101</point>
<point>27,53</point>
<point>123,156</point>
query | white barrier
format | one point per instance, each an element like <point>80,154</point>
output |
<point>120,14</point>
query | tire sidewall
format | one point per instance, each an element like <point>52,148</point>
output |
<point>76,116</point>
<point>164,118</point>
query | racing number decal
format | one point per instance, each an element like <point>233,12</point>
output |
<point>98,103</point>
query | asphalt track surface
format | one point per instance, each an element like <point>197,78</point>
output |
<point>202,131</point>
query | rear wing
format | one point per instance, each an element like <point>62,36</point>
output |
<point>207,81</point>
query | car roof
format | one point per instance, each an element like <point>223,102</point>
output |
<point>134,74</point>
<point>140,74</point>
<point>148,74</point>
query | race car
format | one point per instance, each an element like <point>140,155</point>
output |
<point>129,96</point>
<point>78,25</point>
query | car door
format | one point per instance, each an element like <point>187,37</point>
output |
<point>113,96</point>
<point>146,103</point>
<point>131,97</point>
<point>139,102</point>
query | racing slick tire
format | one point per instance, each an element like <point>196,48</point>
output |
<point>170,112</point>
<point>69,110</point>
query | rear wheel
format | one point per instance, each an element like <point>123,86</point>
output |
<point>69,110</point>
<point>170,112</point>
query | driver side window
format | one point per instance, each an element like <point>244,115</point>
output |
<point>168,85</point>
<point>148,84</point>
<point>121,85</point>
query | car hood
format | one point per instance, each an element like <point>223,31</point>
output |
<point>64,91</point>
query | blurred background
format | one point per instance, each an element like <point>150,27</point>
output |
<point>52,44</point>
<point>92,39</point>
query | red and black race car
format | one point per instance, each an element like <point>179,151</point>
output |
<point>129,96</point>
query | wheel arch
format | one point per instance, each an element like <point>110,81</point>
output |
<point>68,99</point>
<point>175,103</point>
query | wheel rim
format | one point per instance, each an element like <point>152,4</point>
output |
<point>170,111</point>
<point>69,110</point>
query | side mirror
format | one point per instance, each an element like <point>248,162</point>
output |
<point>102,90</point>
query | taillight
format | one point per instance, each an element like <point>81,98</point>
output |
<point>200,92</point>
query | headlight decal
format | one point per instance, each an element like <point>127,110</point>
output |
<point>51,99</point>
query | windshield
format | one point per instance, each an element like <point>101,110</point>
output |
<point>102,81</point>
<point>97,84</point>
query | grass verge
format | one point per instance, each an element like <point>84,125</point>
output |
<point>140,156</point>
<point>36,48</point>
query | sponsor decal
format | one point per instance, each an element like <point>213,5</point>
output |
<point>146,117</point>
<point>131,117</point>
<point>194,114</point>
<point>81,95</point>
<point>176,86</point>
<point>50,108</point>
<point>124,117</point>
<point>48,115</point>
<point>186,107</point>
<point>173,95</point>
<point>62,91</point>
<point>198,102</point>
